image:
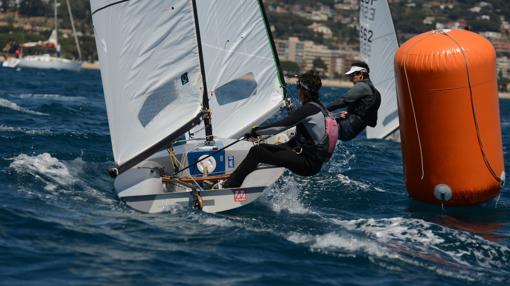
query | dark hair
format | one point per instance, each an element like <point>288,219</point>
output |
<point>361,65</point>
<point>311,83</point>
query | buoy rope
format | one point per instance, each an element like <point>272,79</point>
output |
<point>473,110</point>
<point>415,121</point>
<point>414,114</point>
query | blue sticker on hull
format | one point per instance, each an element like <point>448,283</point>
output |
<point>231,161</point>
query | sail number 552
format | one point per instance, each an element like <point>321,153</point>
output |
<point>366,34</point>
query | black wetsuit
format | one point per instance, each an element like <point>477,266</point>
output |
<point>362,102</point>
<point>299,155</point>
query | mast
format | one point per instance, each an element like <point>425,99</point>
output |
<point>205,99</point>
<point>74,30</point>
<point>56,25</point>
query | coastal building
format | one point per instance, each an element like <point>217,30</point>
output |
<point>503,66</point>
<point>309,55</point>
<point>321,29</point>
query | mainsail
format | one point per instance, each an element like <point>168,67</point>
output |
<point>159,57</point>
<point>243,79</point>
<point>378,45</point>
<point>150,67</point>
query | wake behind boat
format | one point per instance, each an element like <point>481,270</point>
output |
<point>205,70</point>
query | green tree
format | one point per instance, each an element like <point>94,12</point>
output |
<point>319,65</point>
<point>290,68</point>
<point>7,5</point>
<point>34,8</point>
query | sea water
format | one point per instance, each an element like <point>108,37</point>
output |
<point>353,224</point>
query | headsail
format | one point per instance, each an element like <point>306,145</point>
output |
<point>150,69</point>
<point>241,66</point>
<point>378,45</point>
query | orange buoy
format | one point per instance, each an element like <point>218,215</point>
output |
<point>449,118</point>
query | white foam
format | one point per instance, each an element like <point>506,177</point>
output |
<point>45,167</point>
<point>418,236</point>
<point>55,175</point>
<point>285,197</point>
<point>215,221</point>
<point>340,245</point>
<point>413,231</point>
<point>4,128</point>
<point>45,96</point>
<point>13,106</point>
<point>359,186</point>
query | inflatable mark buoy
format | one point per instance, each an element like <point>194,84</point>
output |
<point>449,118</point>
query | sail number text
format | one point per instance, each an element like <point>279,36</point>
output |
<point>366,34</point>
<point>367,9</point>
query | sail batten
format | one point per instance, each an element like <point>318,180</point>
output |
<point>378,45</point>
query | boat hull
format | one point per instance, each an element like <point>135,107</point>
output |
<point>145,188</point>
<point>43,62</point>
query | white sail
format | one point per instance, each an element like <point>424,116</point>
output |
<point>150,68</point>
<point>378,45</point>
<point>241,71</point>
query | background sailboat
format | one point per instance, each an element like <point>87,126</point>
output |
<point>197,64</point>
<point>378,45</point>
<point>51,59</point>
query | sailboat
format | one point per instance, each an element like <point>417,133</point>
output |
<point>184,80</point>
<point>378,45</point>
<point>47,60</point>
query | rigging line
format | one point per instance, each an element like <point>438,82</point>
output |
<point>109,5</point>
<point>414,111</point>
<point>473,110</point>
<point>415,121</point>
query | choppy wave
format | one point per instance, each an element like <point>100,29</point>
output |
<point>13,106</point>
<point>44,167</point>
<point>54,176</point>
<point>62,223</point>
<point>4,128</point>
<point>49,96</point>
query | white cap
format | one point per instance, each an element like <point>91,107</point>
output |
<point>355,69</point>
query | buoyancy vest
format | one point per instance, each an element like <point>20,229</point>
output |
<point>366,108</point>
<point>327,144</point>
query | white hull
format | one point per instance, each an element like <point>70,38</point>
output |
<point>143,189</point>
<point>43,62</point>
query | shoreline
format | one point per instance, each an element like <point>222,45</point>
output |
<point>505,95</point>
<point>325,82</point>
<point>293,80</point>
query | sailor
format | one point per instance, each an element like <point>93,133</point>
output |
<point>304,153</point>
<point>362,102</point>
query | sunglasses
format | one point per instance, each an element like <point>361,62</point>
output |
<point>300,85</point>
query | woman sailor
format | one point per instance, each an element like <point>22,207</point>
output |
<point>303,154</point>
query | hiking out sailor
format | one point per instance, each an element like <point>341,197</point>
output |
<point>362,102</point>
<point>304,153</point>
